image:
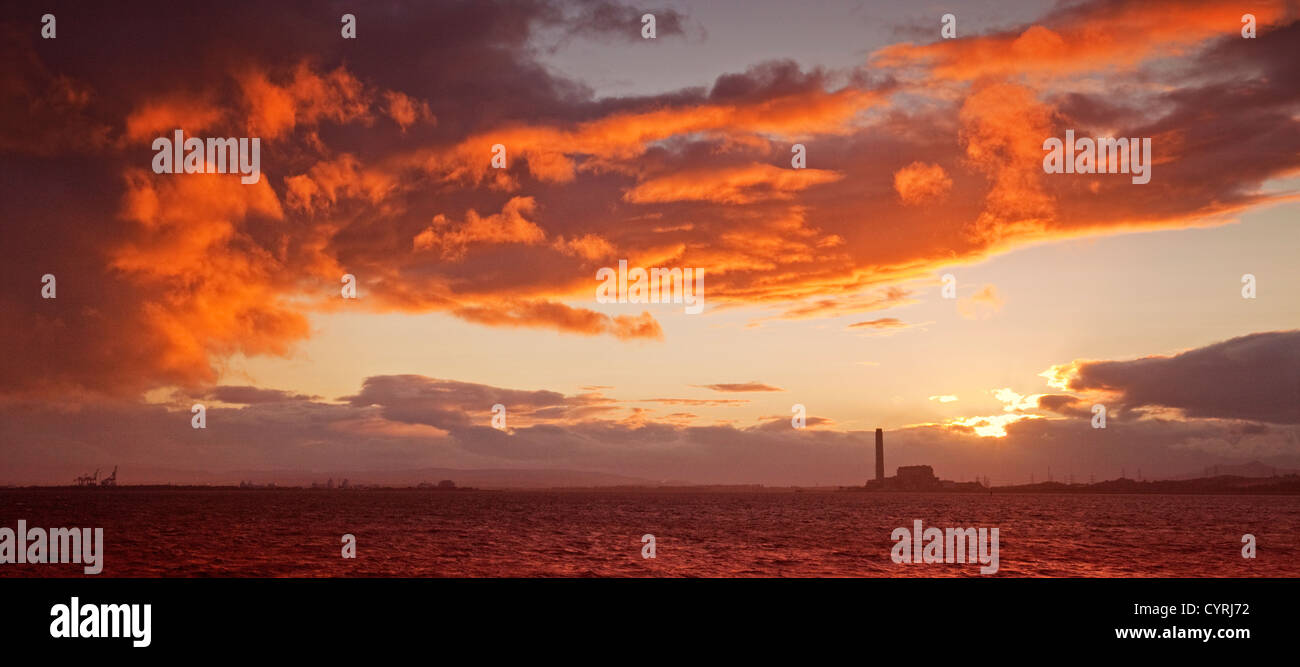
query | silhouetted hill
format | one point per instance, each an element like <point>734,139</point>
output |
<point>1252,469</point>
<point>1226,484</point>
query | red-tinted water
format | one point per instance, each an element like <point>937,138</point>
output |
<point>297,532</point>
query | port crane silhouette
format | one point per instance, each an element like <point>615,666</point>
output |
<point>94,480</point>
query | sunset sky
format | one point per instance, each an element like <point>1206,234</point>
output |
<point>822,287</point>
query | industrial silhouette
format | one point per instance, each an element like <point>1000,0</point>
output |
<point>911,478</point>
<point>880,456</point>
<point>94,480</point>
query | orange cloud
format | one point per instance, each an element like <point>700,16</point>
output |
<point>733,185</point>
<point>406,110</point>
<point>918,183</point>
<point>160,117</point>
<point>549,150</point>
<point>563,318</point>
<point>587,246</point>
<point>1089,37</point>
<point>684,178</point>
<point>205,295</point>
<point>508,226</point>
<point>277,105</point>
<point>329,181</point>
<point>880,323</point>
<point>1003,127</point>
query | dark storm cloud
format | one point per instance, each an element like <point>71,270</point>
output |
<point>619,20</point>
<point>1254,377</point>
<point>1070,406</point>
<point>449,404</point>
<point>249,395</point>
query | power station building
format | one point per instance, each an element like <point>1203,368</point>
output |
<point>911,478</point>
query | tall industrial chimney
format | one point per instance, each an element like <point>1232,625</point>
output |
<point>880,455</point>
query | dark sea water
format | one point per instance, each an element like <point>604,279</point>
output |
<point>419,533</point>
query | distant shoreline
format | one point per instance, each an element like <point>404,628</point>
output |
<point>1288,485</point>
<point>1210,486</point>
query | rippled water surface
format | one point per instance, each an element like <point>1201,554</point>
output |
<point>408,532</point>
